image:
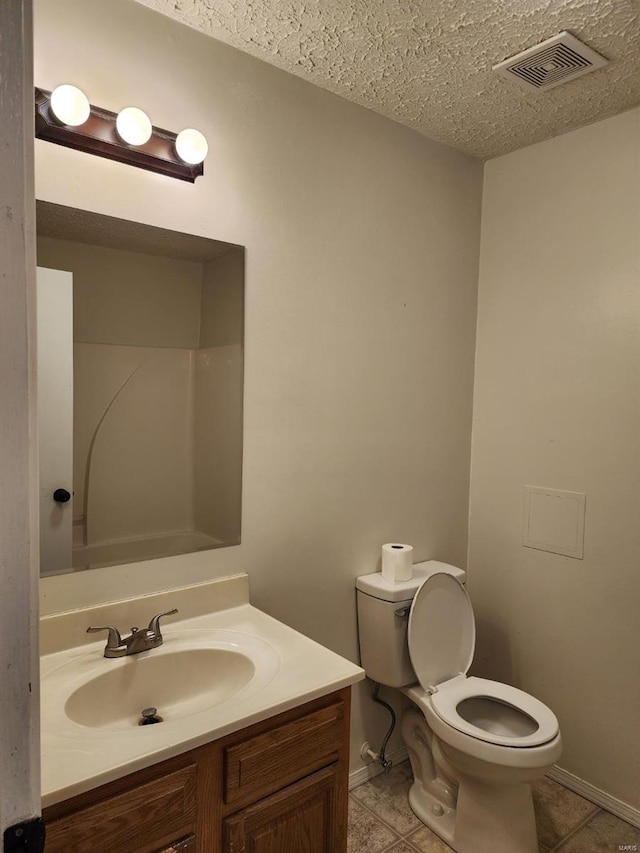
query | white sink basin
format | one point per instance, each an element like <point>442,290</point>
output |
<point>192,672</point>
<point>174,683</point>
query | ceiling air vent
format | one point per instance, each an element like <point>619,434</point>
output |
<point>550,63</point>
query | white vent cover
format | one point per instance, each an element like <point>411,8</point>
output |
<point>550,63</point>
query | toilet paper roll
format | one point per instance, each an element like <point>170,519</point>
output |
<point>397,562</point>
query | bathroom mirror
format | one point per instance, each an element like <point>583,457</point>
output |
<point>140,381</point>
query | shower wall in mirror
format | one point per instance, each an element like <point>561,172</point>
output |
<point>141,414</point>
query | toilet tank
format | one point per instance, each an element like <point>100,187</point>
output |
<point>383,617</point>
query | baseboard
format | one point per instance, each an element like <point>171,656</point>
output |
<point>369,771</point>
<point>595,795</point>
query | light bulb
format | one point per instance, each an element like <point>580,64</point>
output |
<point>133,126</point>
<point>69,105</point>
<point>191,146</point>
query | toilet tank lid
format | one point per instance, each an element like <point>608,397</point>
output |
<point>376,586</point>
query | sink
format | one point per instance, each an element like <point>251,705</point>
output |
<point>174,683</point>
<point>192,672</point>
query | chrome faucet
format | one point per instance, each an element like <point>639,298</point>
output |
<point>137,641</point>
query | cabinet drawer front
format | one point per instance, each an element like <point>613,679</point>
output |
<point>270,761</point>
<point>142,819</point>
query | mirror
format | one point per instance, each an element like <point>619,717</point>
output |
<point>140,382</point>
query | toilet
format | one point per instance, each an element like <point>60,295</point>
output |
<point>475,745</point>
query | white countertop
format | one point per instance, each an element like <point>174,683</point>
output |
<point>77,758</point>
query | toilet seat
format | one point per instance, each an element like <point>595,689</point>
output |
<point>441,639</point>
<point>528,711</point>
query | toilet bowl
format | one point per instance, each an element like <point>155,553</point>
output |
<point>475,745</point>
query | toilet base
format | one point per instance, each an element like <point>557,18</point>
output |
<point>432,813</point>
<point>486,819</point>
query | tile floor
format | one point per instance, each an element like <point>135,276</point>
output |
<point>380,820</point>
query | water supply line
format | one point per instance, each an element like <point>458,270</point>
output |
<point>380,756</point>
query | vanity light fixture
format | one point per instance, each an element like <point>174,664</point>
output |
<point>191,146</point>
<point>69,105</point>
<point>66,117</point>
<point>134,126</point>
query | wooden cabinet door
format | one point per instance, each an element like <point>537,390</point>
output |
<point>142,819</point>
<point>307,817</point>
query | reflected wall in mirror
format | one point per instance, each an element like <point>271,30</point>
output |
<point>140,380</point>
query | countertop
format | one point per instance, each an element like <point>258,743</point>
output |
<point>77,758</point>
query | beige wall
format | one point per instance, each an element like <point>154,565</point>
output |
<point>361,272</point>
<point>557,405</point>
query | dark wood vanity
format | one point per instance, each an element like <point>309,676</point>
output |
<point>279,786</point>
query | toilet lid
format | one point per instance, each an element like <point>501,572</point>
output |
<point>442,630</point>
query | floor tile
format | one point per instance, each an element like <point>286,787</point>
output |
<point>387,796</point>
<point>403,847</point>
<point>428,842</point>
<point>558,811</point>
<point>366,833</point>
<point>567,823</point>
<point>604,833</point>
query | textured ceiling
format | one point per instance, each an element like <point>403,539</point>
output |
<point>427,63</point>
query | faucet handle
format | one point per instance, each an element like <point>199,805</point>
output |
<point>154,625</point>
<point>113,640</point>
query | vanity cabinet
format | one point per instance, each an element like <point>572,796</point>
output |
<point>279,786</point>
